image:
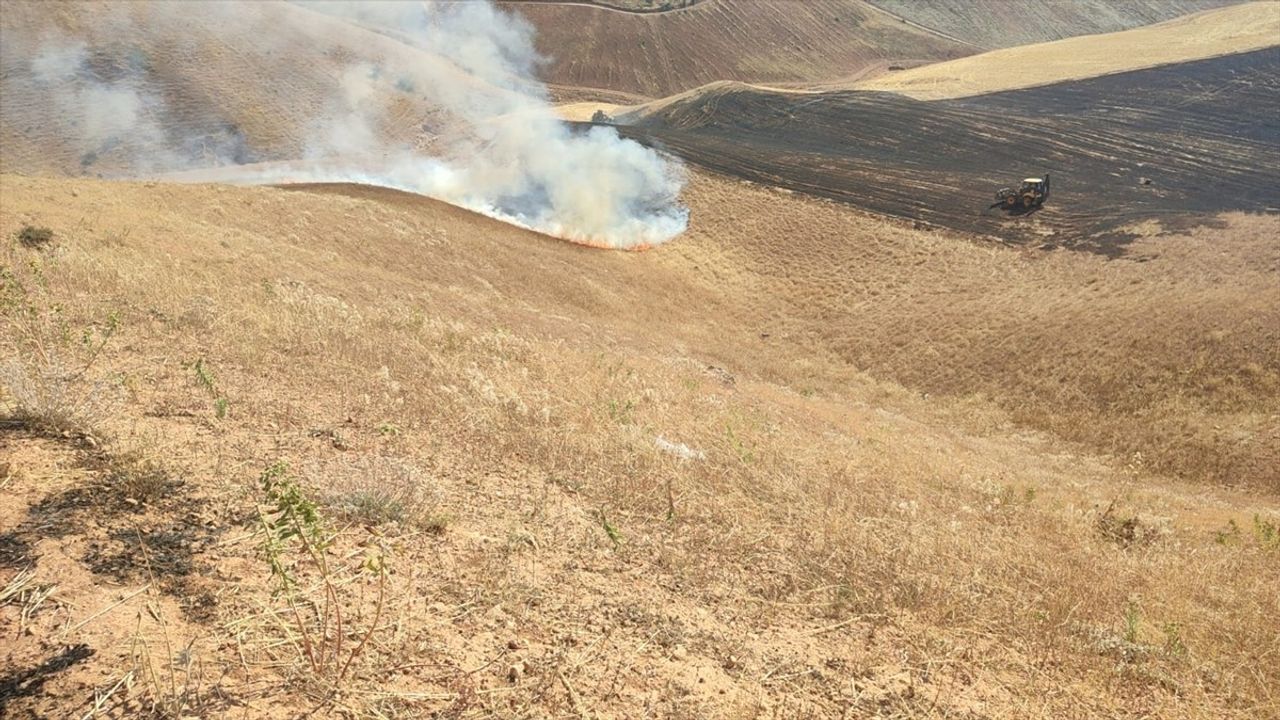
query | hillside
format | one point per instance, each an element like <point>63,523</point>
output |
<point>1235,29</point>
<point>741,404</point>
<point>577,428</point>
<point>1007,23</point>
<point>766,41</point>
<point>119,87</point>
<point>594,50</point>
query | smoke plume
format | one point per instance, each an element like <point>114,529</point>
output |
<point>494,144</point>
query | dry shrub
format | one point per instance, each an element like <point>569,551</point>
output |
<point>52,397</point>
<point>1124,530</point>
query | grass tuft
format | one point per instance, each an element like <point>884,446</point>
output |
<point>139,478</point>
<point>35,237</point>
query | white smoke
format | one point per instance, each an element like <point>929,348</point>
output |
<point>99,114</point>
<point>508,154</point>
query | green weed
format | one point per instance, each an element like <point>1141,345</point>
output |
<point>1132,619</point>
<point>615,535</point>
<point>294,534</point>
<point>206,380</point>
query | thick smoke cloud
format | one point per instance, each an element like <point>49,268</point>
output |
<point>509,155</point>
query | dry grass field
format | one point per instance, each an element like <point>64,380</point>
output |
<point>336,450</point>
<point>528,449</point>
<point>1233,29</point>
<point>1006,23</point>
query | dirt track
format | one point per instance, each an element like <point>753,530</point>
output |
<point>1204,133</point>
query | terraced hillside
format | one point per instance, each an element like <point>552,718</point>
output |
<point>768,41</point>
<point>1234,29</point>
<point>1008,23</point>
<point>1182,140</point>
<point>815,41</point>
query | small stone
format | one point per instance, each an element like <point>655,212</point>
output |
<point>680,653</point>
<point>515,672</point>
<point>513,644</point>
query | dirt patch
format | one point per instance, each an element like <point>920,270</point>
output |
<point>92,580</point>
<point>118,537</point>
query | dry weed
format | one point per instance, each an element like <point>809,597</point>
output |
<point>46,360</point>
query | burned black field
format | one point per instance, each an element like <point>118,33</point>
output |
<point>1176,143</point>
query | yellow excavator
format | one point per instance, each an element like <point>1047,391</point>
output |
<point>1033,193</point>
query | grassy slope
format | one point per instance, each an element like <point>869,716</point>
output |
<point>816,42</point>
<point>1239,28</point>
<point>1006,23</point>
<point>844,542</point>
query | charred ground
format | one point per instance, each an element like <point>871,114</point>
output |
<point>1174,143</point>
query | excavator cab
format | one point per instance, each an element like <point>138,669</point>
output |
<point>1032,193</point>
<point>1035,188</point>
